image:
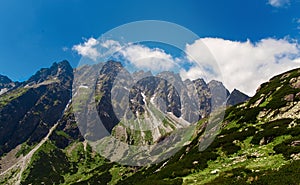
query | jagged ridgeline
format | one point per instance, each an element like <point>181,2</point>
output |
<point>29,109</point>
<point>259,143</point>
<point>40,140</point>
<point>141,108</point>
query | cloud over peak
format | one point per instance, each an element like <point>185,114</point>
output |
<point>138,55</point>
<point>148,58</point>
<point>245,65</point>
<point>88,48</point>
<point>242,65</point>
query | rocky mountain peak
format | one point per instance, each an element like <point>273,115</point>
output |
<point>6,84</point>
<point>45,119</point>
<point>4,80</point>
<point>29,110</point>
<point>170,76</point>
<point>111,64</point>
<point>215,83</point>
<point>64,67</point>
<point>58,71</point>
<point>141,74</point>
<point>236,97</point>
<point>200,82</point>
<point>219,87</point>
<point>219,92</point>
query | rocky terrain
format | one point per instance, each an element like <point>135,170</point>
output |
<point>7,84</point>
<point>236,97</point>
<point>258,143</point>
<point>41,142</point>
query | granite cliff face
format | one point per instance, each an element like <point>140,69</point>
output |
<point>127,101</point>
<point>259,143</point>
<point>40,140</point>
<point>30,110</point>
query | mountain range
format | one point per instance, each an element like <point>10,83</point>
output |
<point>41,142</point>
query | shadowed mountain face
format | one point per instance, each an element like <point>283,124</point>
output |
<point>255,137</point>
<point>236,97</point>
<point>30,110</point>
<point>141,102</point>
<point>169,93</point>
<point>37,115</point>
<point>104,86</point>
<point>6,84</point>
<point>151,87</point>
<point>220,93</point>
<point>4,80</point>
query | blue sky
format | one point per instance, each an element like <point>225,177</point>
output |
<point>35,34</point>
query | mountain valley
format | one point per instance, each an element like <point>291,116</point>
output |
<point>41,141</point>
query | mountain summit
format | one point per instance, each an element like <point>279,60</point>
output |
<point>6,84</point>
<point>236,97</point>
<point>40,141</point>
<point>30,110</point>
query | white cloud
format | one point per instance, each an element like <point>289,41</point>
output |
<point>138,55</point>
<point>245,65</point>
<point>278,3</point>
<point>108,44</point>
<point>88,49</point>
<point>196,72</point>
<point>147,58</point>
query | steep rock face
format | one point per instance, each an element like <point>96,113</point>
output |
<point>137,75</point>
<point>220,94</point>
<point>67,130</point>
<point>187,94</point>
<point>121,96</point>
<point>163,95</point>
<point>61,71</point>
<point>236,97</point>
<point>31,108</point>
<point>246,150</point>
<point>6,84</point>
<point>256,136</point>
<point>134,100</point>
<point>204,94</point>
<point>104,87</point>
<point>27,112</point>
<point>4,80</point>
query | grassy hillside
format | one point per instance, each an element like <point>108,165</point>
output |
<point>259,143</point>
